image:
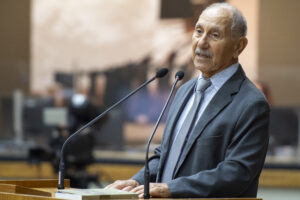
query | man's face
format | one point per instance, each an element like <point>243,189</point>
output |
<point>213,47</point>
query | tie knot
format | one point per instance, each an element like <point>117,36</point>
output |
<point>202,84</point>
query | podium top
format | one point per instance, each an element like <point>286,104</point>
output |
<point>36,183</point>
<point>29,189</point>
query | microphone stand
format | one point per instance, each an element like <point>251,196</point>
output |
<point>162,72</point>
<point>147,171</point>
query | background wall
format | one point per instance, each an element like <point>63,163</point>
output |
<point>272,55</point>
<point>279,60</point>
<point>14,47</point>
<point>249,57</point>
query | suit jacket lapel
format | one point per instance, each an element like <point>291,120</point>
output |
<point>222,98</point>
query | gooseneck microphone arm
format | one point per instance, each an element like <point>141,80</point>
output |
<point>179,75</point>
<point>160,73</point>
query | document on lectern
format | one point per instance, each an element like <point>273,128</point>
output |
<point>94,194</point>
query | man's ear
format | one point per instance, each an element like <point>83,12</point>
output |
<point>239,46</point>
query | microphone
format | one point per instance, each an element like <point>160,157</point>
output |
<point>179,75</point>
<point>159,74</point>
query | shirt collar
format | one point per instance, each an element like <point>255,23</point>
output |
<point>218,80</point>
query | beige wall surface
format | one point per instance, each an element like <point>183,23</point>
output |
<point>14,49</point>
<point>249,57</point>
<point>14,45</point>
<point>279,58</point>
<point>272,54</point>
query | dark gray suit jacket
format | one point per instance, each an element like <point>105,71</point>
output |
<point>226,150</point>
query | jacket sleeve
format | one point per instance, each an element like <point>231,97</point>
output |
<point>244,159</point>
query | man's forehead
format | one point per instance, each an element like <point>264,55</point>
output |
<point>216,16</point>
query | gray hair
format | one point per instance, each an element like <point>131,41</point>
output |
<point>239,23</point>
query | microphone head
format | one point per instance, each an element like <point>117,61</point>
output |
<point>161,72</point>
<point>179,74</point>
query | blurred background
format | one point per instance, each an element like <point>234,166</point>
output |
<point>63,62</point>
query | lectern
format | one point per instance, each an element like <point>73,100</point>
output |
<point>29,189</point>
<point>45,189</point>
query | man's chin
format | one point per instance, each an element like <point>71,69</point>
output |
<point>202,67</point>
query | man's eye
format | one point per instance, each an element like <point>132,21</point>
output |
<point>199,31</point>
<point>215,35</point>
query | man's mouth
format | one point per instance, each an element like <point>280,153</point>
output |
<point>203,53</point>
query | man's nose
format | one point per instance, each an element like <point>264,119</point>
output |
<point>202,42</point>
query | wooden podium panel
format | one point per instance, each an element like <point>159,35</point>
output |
<point>15,189</point>
<point>11,196</point>
<point>36,183</point>
<point>29,189</point>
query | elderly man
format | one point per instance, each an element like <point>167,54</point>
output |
<point>216,134</point>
